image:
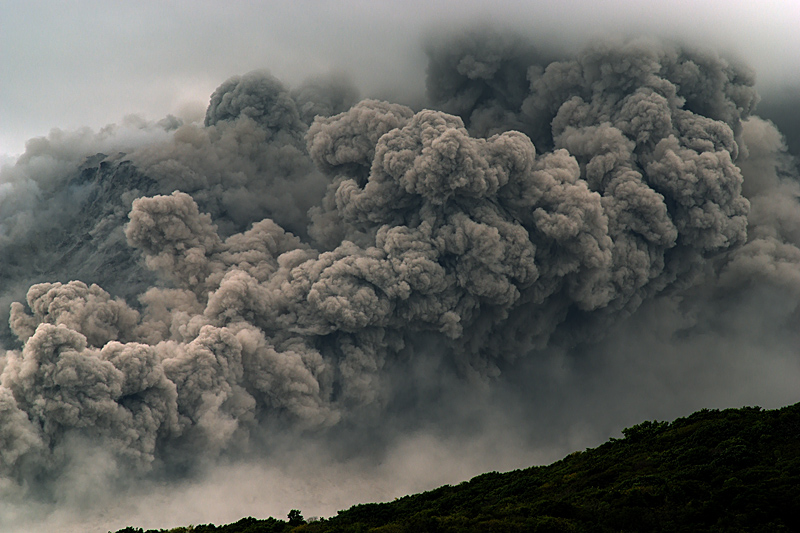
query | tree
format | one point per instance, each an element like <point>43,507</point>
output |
<point>296,518</point>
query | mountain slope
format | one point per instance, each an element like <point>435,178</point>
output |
<point>730,470</point>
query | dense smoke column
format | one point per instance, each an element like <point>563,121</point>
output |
<point>426,225</point>
<point>64,211</point>
<point>249,160</point>
<point>63,205</point>
<point>769,262</point>
<point>482,76</point>
<point>654,130</point>
<point>71,229</point>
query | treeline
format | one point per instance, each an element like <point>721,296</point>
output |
<point>730,470</point>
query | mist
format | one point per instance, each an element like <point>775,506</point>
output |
<point>317,293</point>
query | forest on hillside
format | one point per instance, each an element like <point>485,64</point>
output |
<point>728,470</point>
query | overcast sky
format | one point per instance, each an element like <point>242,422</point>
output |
<point>89,63</point>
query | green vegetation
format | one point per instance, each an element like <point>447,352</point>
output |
<point>731,470</point>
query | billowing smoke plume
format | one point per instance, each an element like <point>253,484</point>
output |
<point>267,268</point>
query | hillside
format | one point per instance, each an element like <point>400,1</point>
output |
<point>730,470</point>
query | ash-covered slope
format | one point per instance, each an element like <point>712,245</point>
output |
<point>78,236</point>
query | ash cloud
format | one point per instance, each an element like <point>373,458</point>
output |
<point>305,263</point>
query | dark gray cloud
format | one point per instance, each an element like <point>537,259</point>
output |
<point>555,245</point>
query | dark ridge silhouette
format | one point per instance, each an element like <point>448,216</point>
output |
<point>730,470</point>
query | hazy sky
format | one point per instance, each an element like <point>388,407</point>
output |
<point>89,63</point>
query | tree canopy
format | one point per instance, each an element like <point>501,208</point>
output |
<point>729,470</point>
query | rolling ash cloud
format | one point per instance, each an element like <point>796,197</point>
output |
<point>297,262</point>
